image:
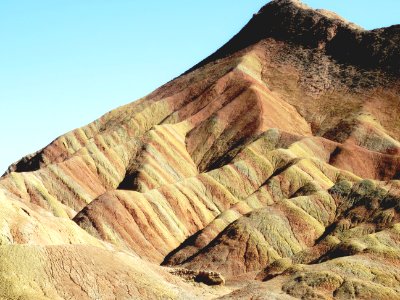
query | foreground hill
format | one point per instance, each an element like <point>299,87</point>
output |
<point>274,163</point>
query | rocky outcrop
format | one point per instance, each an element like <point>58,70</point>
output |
<point>206,277</point>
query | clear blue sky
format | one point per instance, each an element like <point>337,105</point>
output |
<point>64,63</point>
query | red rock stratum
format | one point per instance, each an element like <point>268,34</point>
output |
<point>270,170</point>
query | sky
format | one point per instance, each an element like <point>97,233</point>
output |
<point>64,63</point>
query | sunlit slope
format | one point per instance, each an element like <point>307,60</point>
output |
<point>275,162</point>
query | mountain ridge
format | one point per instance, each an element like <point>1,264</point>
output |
<point>287,10</point>
<point>293,21</point>
<point>272,166</point>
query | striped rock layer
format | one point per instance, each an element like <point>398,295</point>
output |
<point>274,162</point>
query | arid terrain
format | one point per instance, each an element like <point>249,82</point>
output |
<point>270,170</point>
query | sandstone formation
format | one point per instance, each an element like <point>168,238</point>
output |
<point>207,277</point>
<point>273,167</point>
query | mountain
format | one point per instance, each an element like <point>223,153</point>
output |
<point>270,170</point>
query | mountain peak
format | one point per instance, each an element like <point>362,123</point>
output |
<point>294,22</point>
<point>290,9</point>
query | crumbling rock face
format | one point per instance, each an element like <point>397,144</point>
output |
<point>274,163</point>
<point>206,277</point>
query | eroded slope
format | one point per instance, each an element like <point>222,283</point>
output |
<point>275,162</point>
